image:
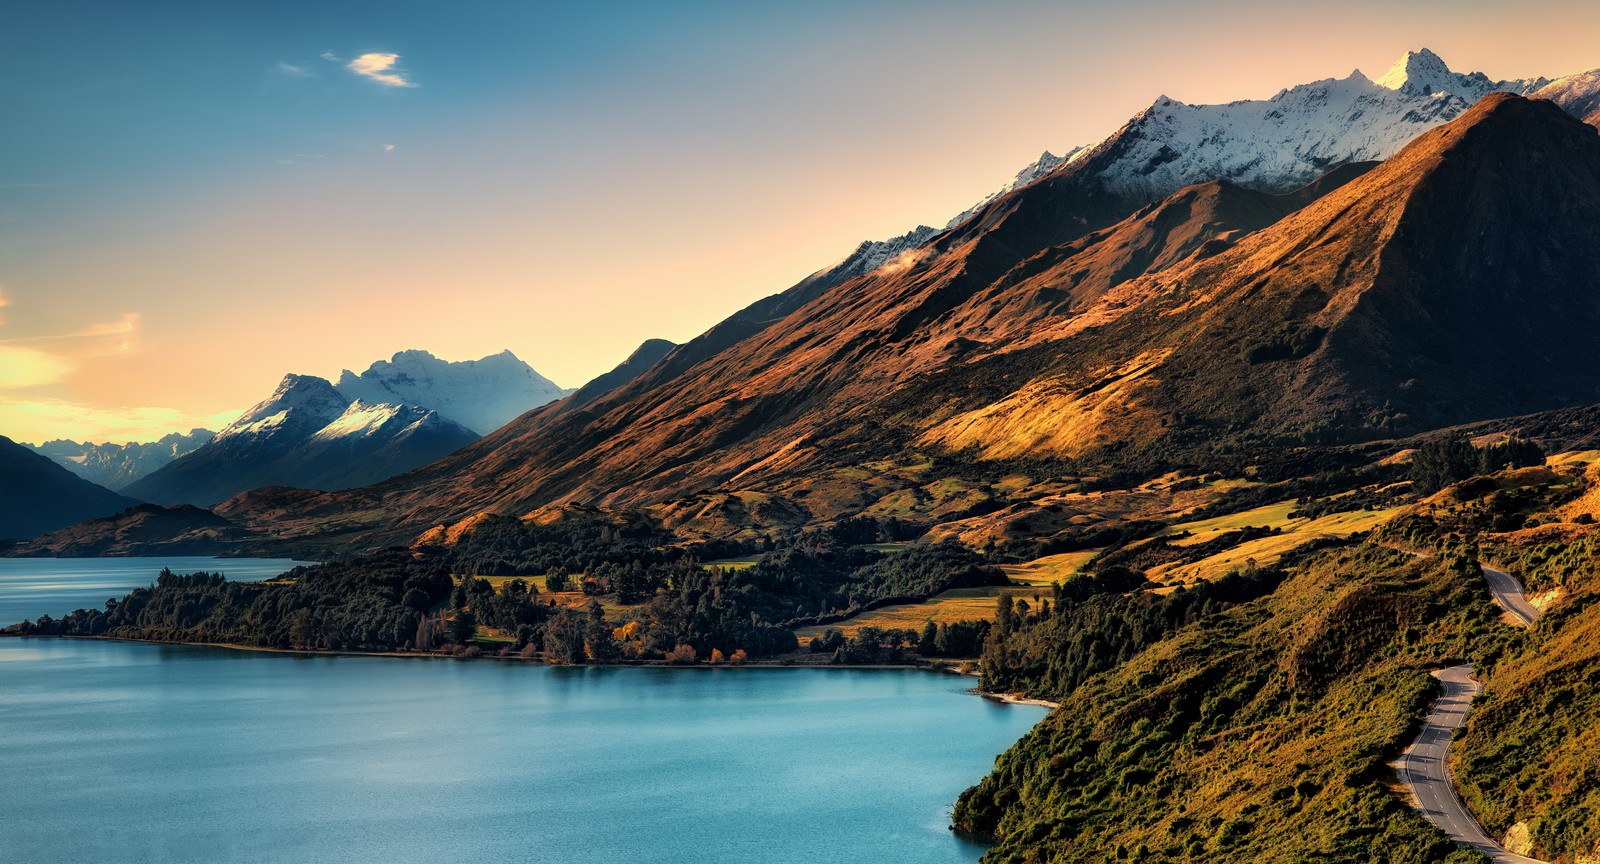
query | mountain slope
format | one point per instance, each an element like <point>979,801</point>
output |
<point>648,354</point>
<point>814,373</point>
<point>306,434</point>
<point>115,466</point>
<point>39,495</point>
<point>482,395</point>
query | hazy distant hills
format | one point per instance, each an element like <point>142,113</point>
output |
<point>115,466</point>
<point>37,495</point>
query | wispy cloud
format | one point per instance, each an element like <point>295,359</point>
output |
<point>290,70</point>
<point>39,420</point>
<point>330,56</point>
<point>388,148</point>
<point>303,159</point>
<point>4,302</point>
<point>35,361</point>
<point>380,67</point>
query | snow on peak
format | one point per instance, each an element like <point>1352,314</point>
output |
<point>1029,174</point>
<point>1424,73</point>
<point>362,420</point>
<point>482,395</point>
<point>300,400</point>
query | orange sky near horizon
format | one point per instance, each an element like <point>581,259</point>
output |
<point>570,219</point>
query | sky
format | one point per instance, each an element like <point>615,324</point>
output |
<point>197,198</point>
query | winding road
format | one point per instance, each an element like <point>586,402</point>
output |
<point>1425,767</point>
<point>1507,592</point>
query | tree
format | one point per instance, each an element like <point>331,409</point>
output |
<point>928,644</point>
<point>1439,462</point>
<point>681,655</point>
<point>462,627</point>
<point>555,580</point>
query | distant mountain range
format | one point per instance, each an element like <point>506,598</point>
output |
<point>306,434</point>
<point>482,395</point>
<point>116,466</point>
<point>396,416</point>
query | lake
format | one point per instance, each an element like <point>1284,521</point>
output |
<point>30,587</point>
<point>137,752</point>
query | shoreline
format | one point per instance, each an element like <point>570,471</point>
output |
<point>429,655</point>
<point>1006,698</point>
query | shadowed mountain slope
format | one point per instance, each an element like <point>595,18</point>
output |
<point>37,495</point>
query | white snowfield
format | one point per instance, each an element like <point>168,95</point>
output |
<point>482,395</point>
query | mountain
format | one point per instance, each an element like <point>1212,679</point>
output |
<point>1578,94</point>
<point>42,496</point>
<point>1453,283</point>
<point>115,466</point>
<point>306,434</point>
<point>648,354</point>
<point>147,529</point>
<point>1009,337</point>
<point>1067,318</point>
<point>482,395</point>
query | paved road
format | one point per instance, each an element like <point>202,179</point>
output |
<point>1507,592</point>
<point>1425,768</point>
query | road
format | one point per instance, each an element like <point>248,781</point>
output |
<point>1507,592</point>
<point>1425,768</point>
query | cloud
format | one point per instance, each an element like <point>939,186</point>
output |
<point>3,303</point>
<point>388,148</point>
<point>380,67</point>
<point>289,70</point>
<point>40,420</point>
<point>27,363</point>
<point>330,56</point>
<point>22,367</point>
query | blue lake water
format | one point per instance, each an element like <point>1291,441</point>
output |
<point>30,587</point>
<point>134,752</point>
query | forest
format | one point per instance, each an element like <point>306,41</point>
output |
<point>664,604</point>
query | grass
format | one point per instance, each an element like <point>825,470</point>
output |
<point>497,581</point>
<point>1270,516</point>
<point>1050,568</point>
<point>1267,550</point>
<point>1573,457</point>
<point>744,563</point>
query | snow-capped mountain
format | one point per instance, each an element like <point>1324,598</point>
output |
<point>301,405</point>
<point>114,466</point>
<point>482,395</point>
<point>1579,94</point>
<point>1280,143</point>
<point>1046,163</point>
<point>1424,73</point>
<point>310,435</point>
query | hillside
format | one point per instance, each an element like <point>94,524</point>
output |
<point>41,496</point>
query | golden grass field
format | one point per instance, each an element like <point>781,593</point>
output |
<point>964,604</point>
<point>1266,550</point>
